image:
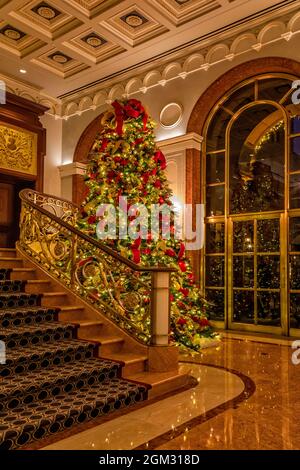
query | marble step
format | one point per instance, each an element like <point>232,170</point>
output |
<point>44,355</point>
<point>31,335</point>
<point>27,316</point>
<point>35,421</point>
<point>16,300</point>
<point>37,385</point>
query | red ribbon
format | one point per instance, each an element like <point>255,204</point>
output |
<point>119,116</point>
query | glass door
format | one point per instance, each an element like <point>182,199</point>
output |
<point>251,190</point>
<point>256,273</point>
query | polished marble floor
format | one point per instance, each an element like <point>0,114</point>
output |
<point>247,397</point>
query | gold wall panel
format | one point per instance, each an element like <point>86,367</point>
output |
<point>18,149</point>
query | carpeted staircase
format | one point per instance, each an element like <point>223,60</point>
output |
<point>51,380</point>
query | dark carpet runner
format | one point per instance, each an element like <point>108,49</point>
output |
<point>50,381</point>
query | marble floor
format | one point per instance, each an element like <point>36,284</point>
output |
<point>247,397</point>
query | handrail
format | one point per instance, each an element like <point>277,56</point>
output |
<point>96,243</point>
<point>135,297</point>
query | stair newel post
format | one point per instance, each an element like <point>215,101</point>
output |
<point>73,259</point>
<point>160,308</point>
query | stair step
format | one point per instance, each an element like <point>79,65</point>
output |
<point>160,383</point>
<point>71,313</point>
<point>37,286</point>
<point>15,300</point>
<point>31,335</point>
<point>33,386</point>
<point>108,344</point>
<point>11,252</point>
<point>6,262</point>
<point>28,316</point>
<point>49,416</point>
<point>89,329</point>
<point>22,273</point>
<point>41,356</point>
<point>132,363</point>
<point>52,299</point>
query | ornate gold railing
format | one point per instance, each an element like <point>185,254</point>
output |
<point>135,298</point>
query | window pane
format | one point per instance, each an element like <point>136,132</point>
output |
<point>243,306</point>
<point>294,234</point>
<point>216,298</point>
<point>243,237</point>
<point>257,158</point>
<point>216,132</point>
<point>295,272</point>
<point>295,125</point>
<point>268,308</point>
<point>243,271</point>
<point>215,271</point>
<point>268,272</point>
<point>215,168</point>
<point>240,98</point>
<point>294,191</point>
<point>273,89</point>
<point>215,238</point>
<point>268,235</point>
<point>295,311</point>
<point>215,202</point>
<point>295,154</point>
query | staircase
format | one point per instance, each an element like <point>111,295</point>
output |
<point>53,377</point>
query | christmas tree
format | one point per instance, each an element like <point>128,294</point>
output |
<point>125,163</point>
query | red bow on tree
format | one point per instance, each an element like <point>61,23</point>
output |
<point>161,159</point>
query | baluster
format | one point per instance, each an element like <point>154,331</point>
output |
<point>160,308</point>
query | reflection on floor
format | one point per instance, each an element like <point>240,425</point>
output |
<point>262,412</point>
<point>269,419</point>
<point>215,386</point>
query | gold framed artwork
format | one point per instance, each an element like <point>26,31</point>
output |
<point>18,149</point>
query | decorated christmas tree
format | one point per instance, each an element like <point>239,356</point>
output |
<point>125,163</point>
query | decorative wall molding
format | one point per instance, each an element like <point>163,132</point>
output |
<point>224,48</point>
<point>70,169</point>
<point>180,143</point>
<point>171,115</point>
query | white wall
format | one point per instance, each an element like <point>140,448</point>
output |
<point>53,157</point>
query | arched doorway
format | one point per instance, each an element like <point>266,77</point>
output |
<point>251,188</point>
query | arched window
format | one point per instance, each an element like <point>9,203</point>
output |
<point>251,181</point>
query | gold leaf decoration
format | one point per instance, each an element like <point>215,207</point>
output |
<point>18,150</point>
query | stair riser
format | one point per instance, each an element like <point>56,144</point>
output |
<point>14,341</point>
<point>41,362</point>
<point>71,316</point>
<point>134,368</point>
<point>7,253</point>
<point>54,301</point>
<point>91,331</point>
<point>23,275</point>
<point>37,288</point>
<point>13,263</point>
<point>11,286</point>
<point>21,301</point>
<point>53,423</point>
<point>53,389</point>
<point>19,319</point>
<point>106,349</point>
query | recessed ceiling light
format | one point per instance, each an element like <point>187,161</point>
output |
<point>23,71</point>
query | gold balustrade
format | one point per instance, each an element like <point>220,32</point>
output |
<point>134,297</point>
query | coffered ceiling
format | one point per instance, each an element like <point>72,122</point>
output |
<point>66,44</point>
